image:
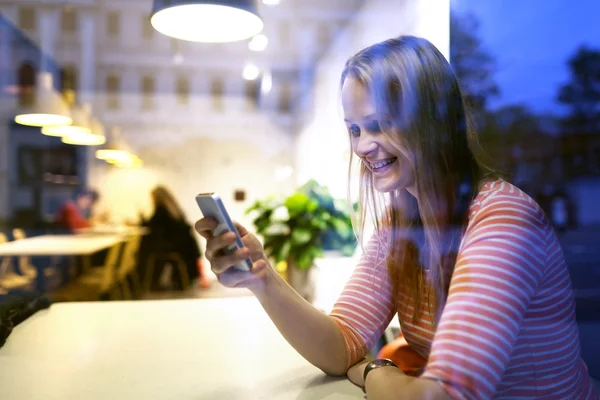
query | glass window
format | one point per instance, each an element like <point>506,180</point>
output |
<point>113,83</point>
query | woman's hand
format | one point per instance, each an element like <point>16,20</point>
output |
<point>221,264</point>
<point>355,373</point>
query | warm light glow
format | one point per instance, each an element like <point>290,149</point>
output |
<point>266,83</point>
<point>43,119</point>
<point>65,130</point>
<point>251,72</point>
<point>207,23</point>
<point>112,155</point>
<point>132,161</point>
<point>84,139</point>
<point>258,43</point>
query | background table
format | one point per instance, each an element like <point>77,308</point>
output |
<point>209,349</point>
<point>58,245</point>
<point>114,230</point>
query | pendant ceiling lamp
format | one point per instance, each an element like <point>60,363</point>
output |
<point>80,125</point>
<point>208,21</point>
<point>113,150</point>
<point>95,137</point>
<point>48,107</point>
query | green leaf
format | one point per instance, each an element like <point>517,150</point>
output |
<point>339,224</point>
<point>301,236</point>
<point>312,205</point>
<point>276,229</point>
<point>297,203</point>
<point>285,250</point>
<point>304,261</point>
<point>319,224</point>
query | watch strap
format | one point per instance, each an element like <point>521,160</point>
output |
<point>378,363</point>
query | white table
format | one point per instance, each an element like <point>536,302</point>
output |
<point>114,230</point>
<point>208,349</point>
<point>58,245</point>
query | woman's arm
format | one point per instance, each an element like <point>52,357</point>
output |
<point>333,343</point>
<point>313,334</point>
<point>391,383</point>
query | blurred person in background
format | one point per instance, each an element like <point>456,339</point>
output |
<point>489,308</point>
<point>76,213</point>
<point>169,232</point>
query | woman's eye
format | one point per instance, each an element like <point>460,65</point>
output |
<point>374,127</point>
<point>354,130</point>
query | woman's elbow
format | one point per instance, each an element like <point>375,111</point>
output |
<point>340,369</point>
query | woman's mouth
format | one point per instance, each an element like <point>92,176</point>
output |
<point>382,166</point>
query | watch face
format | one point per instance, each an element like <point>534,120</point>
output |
<point>380,362</point>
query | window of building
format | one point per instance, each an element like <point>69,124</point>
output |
<point>69,83</point>
<point>285,98</point>
<point>26,79</point>
<point>252,94</point>
<point>27,18</point>
<point>113,86</point>
<point>217,90</point>
<point>183,90</point>
<point>147,29</point>
<point>147,92</point>
<point>68,19</point>
<point>113,23</point>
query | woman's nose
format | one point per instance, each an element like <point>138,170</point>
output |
<point>365,145</point>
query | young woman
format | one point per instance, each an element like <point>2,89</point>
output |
<point>478,281</point>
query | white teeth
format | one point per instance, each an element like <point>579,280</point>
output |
<point>383,163</point>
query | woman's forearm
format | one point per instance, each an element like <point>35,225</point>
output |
<point>312,333</point>
<point>391,383</point>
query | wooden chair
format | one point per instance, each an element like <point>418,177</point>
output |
<point>95,283</point>
<point>26,268</point>
<point>172,257</point>
<point>128,268</point>
<point>9,279</point>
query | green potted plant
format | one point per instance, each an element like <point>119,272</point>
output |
<point>299,228</point>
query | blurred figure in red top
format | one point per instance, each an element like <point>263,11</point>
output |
<point>74,214</point>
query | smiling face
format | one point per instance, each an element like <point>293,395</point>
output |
<point>391,167</point>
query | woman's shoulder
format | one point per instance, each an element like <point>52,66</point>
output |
<point>503,205</point>
<point>501,193</point>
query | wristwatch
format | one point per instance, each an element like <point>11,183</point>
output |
<point>380,362</point>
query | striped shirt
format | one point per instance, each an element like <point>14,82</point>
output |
<point>508,328</point>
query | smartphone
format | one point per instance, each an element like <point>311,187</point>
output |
<point>212,206</point>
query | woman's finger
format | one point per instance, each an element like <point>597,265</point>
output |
<point>234,278</point>
<point>223,263</point>
<point>215,245</point>
<point>205,227</point>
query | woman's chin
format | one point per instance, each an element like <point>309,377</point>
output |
<point>388,185</point>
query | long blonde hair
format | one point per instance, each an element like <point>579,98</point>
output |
<point>421,109</point>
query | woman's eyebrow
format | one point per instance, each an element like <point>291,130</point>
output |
<point>369,117</point>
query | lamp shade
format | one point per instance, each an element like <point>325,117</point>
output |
<point>208,21</point>
<point>95,137</point>
<point>113,151</point>
<point>48,108</point>
<point>81,124</point>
